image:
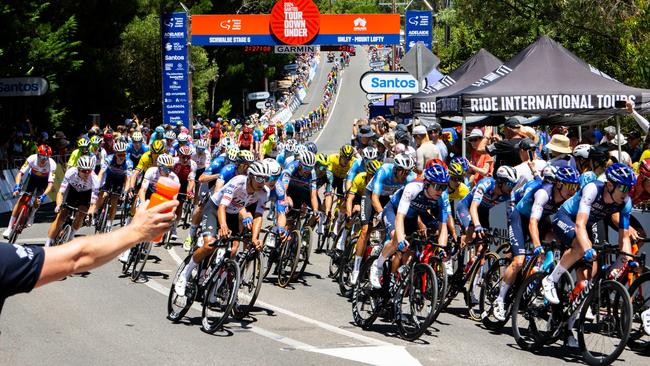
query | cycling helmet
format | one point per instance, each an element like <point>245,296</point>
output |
<point>549,173</point>
<point>137,136</point>
<point>433,162</point>
<point>460,160</point>
<point>260,169</point>
<point>581,151</point>
<point>274,167</point>
<point>372,166</point>
<point>160,130</point>
<point>347,151</point>
<point>321,159</point>
<point>644,167</point>
<point>621,174</point>
<point>232,153</point>
<point>370,153</point>
<point>507,174</point>
<point>157,147</point>
<point>227,142</point>
<point>183,137</point>
<point>280,146</point>
<point>311,147</point>
<point>245,156</point>
<point>436,174</point>
<point>95,140</point>
<point>599,154</point>
<point>44,150</point>
<point>119,146</point>
<point>202,144</point>
<point>567,175</point>
<point>185,150</point>
<point>87,162</point>
<point>269,130</point>
<point>273,139</point>
<point>170,135</point>
<point>246,129</point>
<point>165,160</point>
<point>307,158</point>
<point>83,142</point>
<point>289,149</point>
<point>403,161</point>
<point>456,169</point>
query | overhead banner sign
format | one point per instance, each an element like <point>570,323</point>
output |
<point>23,87</point>
<point>295,21</point>
<point>418,28</point>
<point>389,82</point>
<point>257,29</point>
<point>175,85</point>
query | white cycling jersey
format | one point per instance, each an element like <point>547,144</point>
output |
<point>235,197</point>
<point>202,161</point>
<point>74,180</point>
<point>153,174</point>
<point>33,166</point>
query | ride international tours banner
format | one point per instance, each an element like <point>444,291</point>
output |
<point>175,76</point>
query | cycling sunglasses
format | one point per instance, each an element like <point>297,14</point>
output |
<point>121,155</point>
<point>624,189</point>
<point>259,179</point>
<point>165,169</point>
<point>43,157</point>
<point>185,157</point>
<point>85,171</point>
<point>456,178</point>
<point>507,183</point>
<point>307,168</point>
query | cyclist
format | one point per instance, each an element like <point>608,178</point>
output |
<point>324,177</point>
<point>201,156</point>
<point>238,205</point>
<point>238,166</point>
<point>298,183</point>
<point>311,147</point>
<point>170,140</point>
<point>458,189</point>
<point>114,177</point>
<point>358,166</point>
<point>158,134</point>
<point>288,153</point>
<point>411,209</point>
<point>163,168</point>
<point>532,216</point>
<point>185,169</point>
<point>340,164</point>
<point>40,169</point>
<point>388,179</point>
<point>245,140</point>
<point>82,193</point>
<point>82,149</point>
<point>269,148</point>
<point>148,160</point>
<point>98,151</point>
<point>182,139</point>
<point>136,148</point>
<point>289,130</point>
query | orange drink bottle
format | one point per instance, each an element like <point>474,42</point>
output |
<point>166,190</point>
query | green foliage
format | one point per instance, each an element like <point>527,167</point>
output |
<point>205,71</point>
<point>225,109</point>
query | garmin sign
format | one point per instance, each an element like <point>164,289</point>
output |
<point>23,87</point>
<point>390,82</point>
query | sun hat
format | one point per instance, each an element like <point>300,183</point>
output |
<point>559,144</point>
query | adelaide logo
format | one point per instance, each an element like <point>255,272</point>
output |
<point>295,21</point>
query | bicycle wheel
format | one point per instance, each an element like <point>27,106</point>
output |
<point>345,267</point>
<point>640,296</point>
<point>103,216</point>
<point>440,269</point>
<point>142,255</point>
<point>366,300</point>
<point>269,254</point>
<point>531,314</point>
<point>288,261</point>
<point>416,302</point>
<point>490,291</point>
<point>63,235</point>
<point>124,212</point>
<point>19,225</point>
<point>334,263</point>
<point>249,288</point>
<point>476,283</point>
<point>178,306</point>
<point>220,296</point>
<point>603,339</point>
<point>129,261</point>
<point>305,250</point>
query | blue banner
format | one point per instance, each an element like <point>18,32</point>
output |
<point>418,28</point>
<point>175,85</point>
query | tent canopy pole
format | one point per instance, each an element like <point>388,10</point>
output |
<point>618,132</point>
<point>464,137</point>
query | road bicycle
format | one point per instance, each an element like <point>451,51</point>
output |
<point>63,235</point>
<point>103,212</point>
<point>138,256</point>
<point>26,202</point>
<point>250,268</point>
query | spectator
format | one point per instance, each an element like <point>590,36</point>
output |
<point>610,133</point>
<point>634,147</point>
<point>481,163</point>
<point>613,145</point>
<point>531,165</point>
<point>364,137</point>
<point>560,150</point>
<point>434,130</point>
<point>426,150</point>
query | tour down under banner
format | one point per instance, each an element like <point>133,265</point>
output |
<point>260,30</point>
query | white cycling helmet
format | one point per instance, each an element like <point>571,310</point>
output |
<point>165,160</point>
<point>183,137</point>
<point>549,173</point>
<point>119,146</point>
<point>202,144</point>
<point>273,165</point>
<point>227,142</point>
<point>259,168</point>
<point>87,162</point>
<point>507,173</point>
<point>170,135</point>
<point>403,161</point>
<point>137,136</point>
<point>581,151</point>
<point>307,158</point>
<point>370,153</point>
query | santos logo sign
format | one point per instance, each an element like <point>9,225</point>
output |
<point>22,87</point>
<point>389,83</point>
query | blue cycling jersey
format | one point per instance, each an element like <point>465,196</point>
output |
<point>411,201</point>
<point>590,200</point>
<point>115,169</point>
<point>358,166</point>
<point>156,136</point>
<point>291,178</point>
<point>288,128</point>
<point>216,165</point>
<point>587,177</point>
<point>281,159</point>
<point>227,172</point>
<point>483,193</point>
<point>257,135</point>
<point>537,200</point>
<point>383,182</point>
<point>135,154</point>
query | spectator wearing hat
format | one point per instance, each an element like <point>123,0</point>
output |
<point>560,150</point>
<point>634,147</point>
<point>511,128</point>
<point>434,131</point>
<point>364,138</point>
<point>402,135</point>
<point>612,146</point>
<point>610,133</point>
<point>531,165</point>
<point>481,163</point>
<point>386,144</point>
<point>426,150</point>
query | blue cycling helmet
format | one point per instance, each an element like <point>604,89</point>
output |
<point>621,174</point>
<point>436,174</point>
<point>160,130</point>
<point>567,175</point>
<point>460,160</point>
<point>311,147</point>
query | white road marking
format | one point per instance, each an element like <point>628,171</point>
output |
<point>174,256</point>
<point>336,99</point>
<point>378,355</point>
<point>32,240</point>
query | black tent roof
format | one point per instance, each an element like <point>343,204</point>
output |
<point>472,69</point>
<point>544,79</point>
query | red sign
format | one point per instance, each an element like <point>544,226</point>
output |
<point>295,21</point>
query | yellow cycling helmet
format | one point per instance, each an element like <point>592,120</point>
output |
<point>157,147</point>
<point>321,159</point>
<point>372,166</point>
<point>347,151</point>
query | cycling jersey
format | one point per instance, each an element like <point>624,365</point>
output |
<point>411,201</point>
<point>177,145</point>
<point>245,141</point>
<point>483,193</point>
<point>292,179</point>
<point>358,184</point>
<point>234,196</point>
<point>72,179</point>
<point>383,182</point>
<point>216,164</point>
<point>327,180</point>
<point>268,150</point>
<point>146,161</point>
<point>135,154</point>
<point>537,200</point>
<point>288,128</point>
<point>589,200</point>
<point>461,191</point>
<point>74,157</point>
<point>202,160</point>
<point>114,169</point>
<point>227,172</point>
<point>184,172</point>
<point>638,194</point>
<point>587,177</point>
<point>334,163</point>
<point>257,135</point>
<point>358,166</point>
<point>32,166</point>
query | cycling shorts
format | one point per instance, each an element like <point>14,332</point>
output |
<point>337,184</point>
<point>367,211</point>
<point>77,199</point>
<point>299,197</point>
<point>210,223</point>
<point>36,184</point>
<point>518,231</point>
<point>465,219</point>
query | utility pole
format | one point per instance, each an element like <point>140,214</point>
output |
<point>394,66</point>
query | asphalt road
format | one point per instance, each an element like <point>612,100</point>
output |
<point>101,318</point>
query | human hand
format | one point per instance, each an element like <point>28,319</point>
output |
<point>224,232</point>
<point>629,105</point>
<point>149,223</point>
<point>259,245</point>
